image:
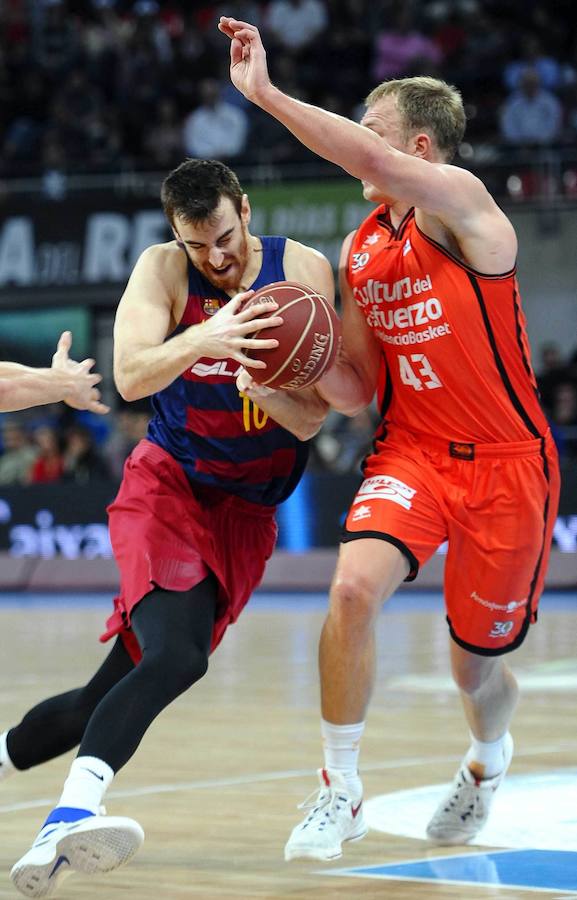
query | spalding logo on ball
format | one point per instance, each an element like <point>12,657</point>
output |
<point>309,338</point>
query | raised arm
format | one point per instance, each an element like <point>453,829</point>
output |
<point>144,361</point>
<point>451,194</point>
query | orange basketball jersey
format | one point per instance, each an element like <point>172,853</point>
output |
<point>455,353</point>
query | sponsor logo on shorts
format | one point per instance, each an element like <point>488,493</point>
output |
<point>385,487</point>
<point>499,607</point>
<point>501,629</point>
<point>363,512</point>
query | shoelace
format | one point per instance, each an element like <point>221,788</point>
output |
<point>323,804</point>
<point>470,797</point>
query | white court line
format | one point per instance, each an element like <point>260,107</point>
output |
<point>263,777</point>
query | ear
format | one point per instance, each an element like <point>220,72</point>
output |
<point>422,145</point>
<point>177,238</point>
<point>245,211</point>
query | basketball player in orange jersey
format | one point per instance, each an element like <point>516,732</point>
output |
<point>24,386</point>
<point>193,523</point>
<point>432,318</point>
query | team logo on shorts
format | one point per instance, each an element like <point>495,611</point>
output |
<point>501,629</point>
<point>363,512</point>
<point>211,306</point>
<point>385,487</point>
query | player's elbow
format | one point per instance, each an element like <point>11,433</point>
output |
<point>128,387</point>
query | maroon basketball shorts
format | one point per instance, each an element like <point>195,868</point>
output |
<point>167,534</point>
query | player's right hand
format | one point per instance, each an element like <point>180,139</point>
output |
<point>248,68</point>
<point>229,332</point>
<point>82,392</point>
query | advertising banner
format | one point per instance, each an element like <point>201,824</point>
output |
<point>83,249</point>
<point>51,521</point>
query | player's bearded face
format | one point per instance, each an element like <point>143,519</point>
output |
<point>219,247</point>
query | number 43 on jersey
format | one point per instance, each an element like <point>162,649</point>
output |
<point>416,371</point>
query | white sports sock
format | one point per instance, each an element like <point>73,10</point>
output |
<point>341,745</point>
<point>491,755</point>
<point>86,784</point>
<point>7,767</point>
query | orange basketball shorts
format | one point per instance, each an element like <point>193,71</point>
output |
<point>495,504</point>
<point>166,533</point>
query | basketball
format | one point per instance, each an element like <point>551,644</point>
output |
<point>309,338</point>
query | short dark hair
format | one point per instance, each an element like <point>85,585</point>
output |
<point>194,189</point>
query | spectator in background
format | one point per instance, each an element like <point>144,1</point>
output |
<point>49,463</point>
<point>19,455</point>
<point>344,441</point>
<point>564,419</point>
<point>163,140</point>
<point>82,462</point>
<point>215,130</point>
<point>532,58</point>
<point>131,427</point>
<point>296,24</point>
<point>57,40</point>
<point>552,373</point>
<point>403,49</point>
<point>531,115</point>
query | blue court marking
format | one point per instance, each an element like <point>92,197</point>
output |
<point>28,600</point>
<point>549,871</point>
<point>283,601</point>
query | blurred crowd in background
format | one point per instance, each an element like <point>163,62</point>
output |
<point>101,85</point>
<point>57,444</point>
<point>112,85</point>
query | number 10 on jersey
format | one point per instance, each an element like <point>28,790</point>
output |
<point>418,365</point>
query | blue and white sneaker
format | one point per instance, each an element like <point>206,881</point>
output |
<point>75,840</point>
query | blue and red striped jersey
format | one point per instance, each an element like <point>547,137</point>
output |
<point>219,437</point>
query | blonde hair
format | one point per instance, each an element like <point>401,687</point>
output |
<point>427,104</point>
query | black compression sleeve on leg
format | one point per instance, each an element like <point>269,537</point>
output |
<point>174,630</point>
<point>56,725</point>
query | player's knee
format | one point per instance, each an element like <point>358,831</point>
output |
<point>178,670</point>
<point>472,674</point>
<point>354,598</point>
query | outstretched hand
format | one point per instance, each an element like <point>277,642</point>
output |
<point>83,392</point>
<point>248,68</point>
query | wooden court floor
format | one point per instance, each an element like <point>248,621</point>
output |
<point>216,781</point>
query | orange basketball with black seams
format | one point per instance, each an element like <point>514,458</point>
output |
<point>309,338</point>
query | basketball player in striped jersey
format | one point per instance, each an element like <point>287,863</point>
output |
<point>432,321</point>
<point>197,496</point>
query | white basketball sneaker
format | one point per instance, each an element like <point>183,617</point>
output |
<point>91,844</point>
<point>465,809</point>
<point>335,816</point>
